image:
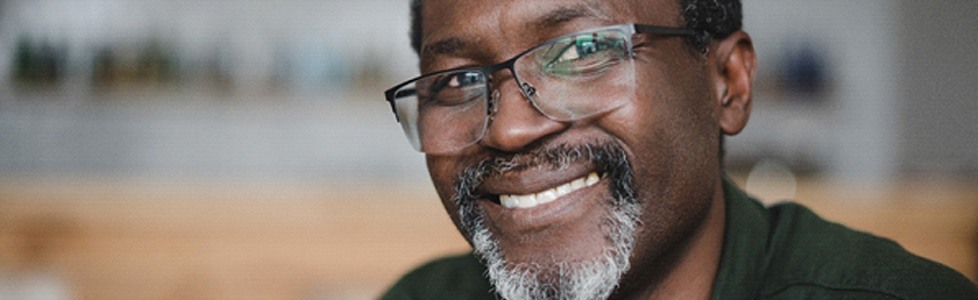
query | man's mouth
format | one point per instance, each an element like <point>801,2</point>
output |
<point>549,195</point>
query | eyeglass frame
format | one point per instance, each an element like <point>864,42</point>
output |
<point>526,89</point>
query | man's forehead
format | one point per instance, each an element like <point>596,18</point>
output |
<point>449,25</point>
<point>452,26</point>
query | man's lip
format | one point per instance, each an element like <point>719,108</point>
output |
<point>564,210</point>
<point>534,180</point>
<point>549,195</point>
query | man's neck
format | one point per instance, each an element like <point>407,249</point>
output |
<point>694,272</point>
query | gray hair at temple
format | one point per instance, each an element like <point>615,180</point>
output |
<point>712,19</point>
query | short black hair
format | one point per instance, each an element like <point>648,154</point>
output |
<point>712,19</point>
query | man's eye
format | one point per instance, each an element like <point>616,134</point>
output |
<point>457,80</point>
<point>455,88</point>
<point>584,55</point>
<point>582,48</point>
<point>464,79</point>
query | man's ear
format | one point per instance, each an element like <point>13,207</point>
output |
<point>735,66</point>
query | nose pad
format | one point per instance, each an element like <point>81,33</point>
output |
<point>494,103</point>
<point>528,90</point>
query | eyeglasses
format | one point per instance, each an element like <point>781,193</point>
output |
<point>568,78</point>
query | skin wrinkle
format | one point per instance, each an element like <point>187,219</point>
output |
<point>454,46</point>
<point>566,14</point>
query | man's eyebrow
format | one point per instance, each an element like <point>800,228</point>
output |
<point>445,46</point>
<point>566,14</point>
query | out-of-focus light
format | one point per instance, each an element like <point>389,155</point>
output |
<point>771,181</point>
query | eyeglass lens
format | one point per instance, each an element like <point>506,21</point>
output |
<point>566,79</point>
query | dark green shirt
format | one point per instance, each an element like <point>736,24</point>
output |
<point>781,252</point>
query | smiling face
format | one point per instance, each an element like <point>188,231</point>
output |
<point>612,200</point>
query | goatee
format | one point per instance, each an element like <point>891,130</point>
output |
<point>595,278</point>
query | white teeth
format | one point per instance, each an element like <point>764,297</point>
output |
<point>592,178</point>
<point>547,196</point>
<point>564,189</point>
<point>531,200</point>
<point>526,201</point>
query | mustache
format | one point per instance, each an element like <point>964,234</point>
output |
<point>608,157</point>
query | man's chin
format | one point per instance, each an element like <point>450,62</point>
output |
<point>558,272</point>
<point>556,247</point>
<point>578,238</point>
<point>569,262</point>
<point>554,258</point>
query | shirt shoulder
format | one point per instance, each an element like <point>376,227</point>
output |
<point>455,277</point>
<point>809,257</point>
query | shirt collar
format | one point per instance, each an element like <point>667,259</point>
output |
<point>746,237</point>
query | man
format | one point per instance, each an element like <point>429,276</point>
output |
<point>577,146</point>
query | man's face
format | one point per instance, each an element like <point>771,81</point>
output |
<point>656,156</point>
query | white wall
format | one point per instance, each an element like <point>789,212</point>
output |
<point>851,132</point>
<point>939,86</point>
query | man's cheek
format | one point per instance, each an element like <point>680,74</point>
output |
<point>453,213</point>
<point>441,178</point>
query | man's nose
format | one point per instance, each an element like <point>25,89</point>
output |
<point>515,122</point>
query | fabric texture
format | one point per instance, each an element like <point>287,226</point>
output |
<point>779,252</point>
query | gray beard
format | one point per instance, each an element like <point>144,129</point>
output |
<point>596,278</point>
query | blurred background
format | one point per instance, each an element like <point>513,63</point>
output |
<point>216,149</point>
